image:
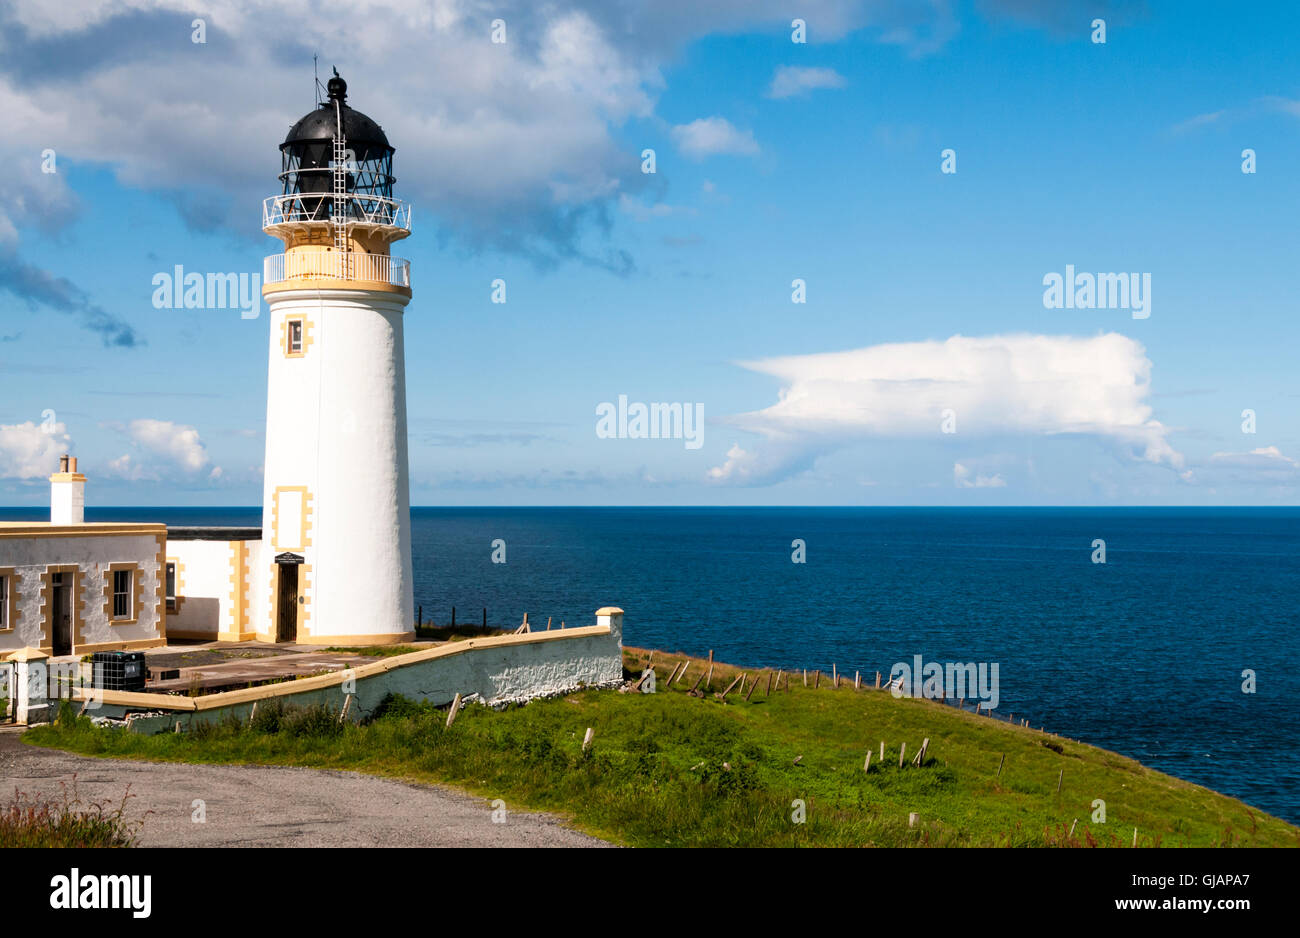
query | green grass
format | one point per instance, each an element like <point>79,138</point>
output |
<point>670,769</point>
<point>373,651</point>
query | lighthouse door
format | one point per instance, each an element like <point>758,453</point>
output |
<point>287,626</point>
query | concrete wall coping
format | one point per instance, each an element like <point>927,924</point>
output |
<point>27,654</point>
<point>46,529</point>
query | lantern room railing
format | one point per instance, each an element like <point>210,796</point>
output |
<point>361,210</point>
<point>331,265</point>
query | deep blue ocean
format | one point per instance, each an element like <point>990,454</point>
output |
<point>1143,654</point>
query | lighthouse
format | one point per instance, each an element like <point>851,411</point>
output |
<point>334,563</point>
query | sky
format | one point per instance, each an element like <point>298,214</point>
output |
<point>927,362</point>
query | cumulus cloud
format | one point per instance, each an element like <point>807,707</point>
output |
<point>1263,465</point>
<point>512,146</point>
<point>709,136</point>
<point>168,448</point>
<point>31,451</point>
<point>983,387</point>
<point>791,81</point>
<point>961,477</point>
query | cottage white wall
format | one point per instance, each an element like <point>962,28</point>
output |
<point>92,553</point>
<point>204,584</point>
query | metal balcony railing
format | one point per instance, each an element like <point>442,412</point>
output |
<point>332,265</point>
<point>360,210</point>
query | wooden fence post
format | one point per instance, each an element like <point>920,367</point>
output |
<point>739,677</point>
<point>455,707</point>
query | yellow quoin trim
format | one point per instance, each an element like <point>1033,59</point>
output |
<point>180,585</point>
<point>13,577</point>
<point>136,600</point>
<point>160,587</point>
<point>308,334</point>
<point>237,623</point>
<point>304,519</point>
<point>304,607</point>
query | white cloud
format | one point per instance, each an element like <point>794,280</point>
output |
<point>1264,465</point>
<point>961,477</point>
<point>27,451</point>
<point>1263,456</point>
<point>168,448</point>
<point>791,81</point>
<point>640,211</point>
<point>1002,385</point>
<point>708,136</point>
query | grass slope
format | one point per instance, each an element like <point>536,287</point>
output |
<point>671,769</point>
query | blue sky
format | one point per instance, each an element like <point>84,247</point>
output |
<point>523,162</point>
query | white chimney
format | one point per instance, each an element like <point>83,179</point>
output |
<point>67,493</point>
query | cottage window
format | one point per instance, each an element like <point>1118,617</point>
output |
<point>122,594</point>
<point>4,602</point>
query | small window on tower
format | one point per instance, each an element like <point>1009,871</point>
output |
<point>295,336</point>
<point>171,586</point>
<point>4,602</point>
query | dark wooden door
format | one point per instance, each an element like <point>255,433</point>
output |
<point>287,627</point>
<point>62,615</point>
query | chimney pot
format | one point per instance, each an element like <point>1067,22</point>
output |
<point>73,464</point>
<point>63,463</point>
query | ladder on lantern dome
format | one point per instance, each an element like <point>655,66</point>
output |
<point>341,212</point>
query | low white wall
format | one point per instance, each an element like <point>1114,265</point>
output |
<point>500,669</point>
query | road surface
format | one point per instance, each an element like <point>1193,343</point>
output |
<point>262,806</point>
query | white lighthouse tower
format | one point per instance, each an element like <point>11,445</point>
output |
<point>335,559</point>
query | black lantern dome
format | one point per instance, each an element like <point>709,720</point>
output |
<point>307,154</point>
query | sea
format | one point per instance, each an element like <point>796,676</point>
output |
<point>1181,650</point>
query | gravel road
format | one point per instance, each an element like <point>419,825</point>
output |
<point>256,806</point>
